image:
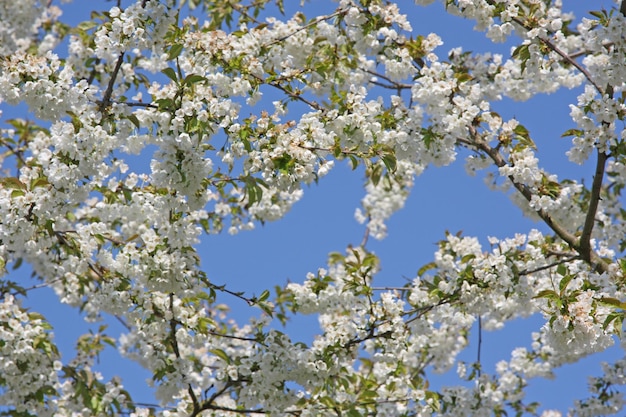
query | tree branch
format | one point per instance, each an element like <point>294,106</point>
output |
<point>289,93</point>
<point>394,85</point>
<point>308,25</point>
<point>597,263</point>
<point>548,266</point>
<point>480,342</point>
<point>563,55</point>
<point>106,99</point>
<point>585,238</point>
<point>174,343</point>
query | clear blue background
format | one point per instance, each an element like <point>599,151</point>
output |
<point>323,221</point>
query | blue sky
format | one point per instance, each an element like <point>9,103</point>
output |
<point>323,221</point>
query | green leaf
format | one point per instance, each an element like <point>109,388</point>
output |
<point>614,302</point>
<point>221,354</point>
<point>523,136</point>
<point>18,263</point>
<point>565,282</point>
<point>376,173</point>
<point>572,132</point>
<point>523,54</point>
<point>611,317</point>
<point>86,25</point>
<point>193,78</point>
<point>75,121</point>
<point>390,162</point>
<point>264,296</point>
<point>549,294</point>
<point>12,183</point>
<point>171,74</point>
<point>267,308</point>
<point>354,162</point>
<point>174,51</point>
<point>335,258</point>
<point>462,77</point>
<point>427,267</point>
<point>465,259</point>
<point>165,104</point>
<point>134,120</point>
<point>39,182</point>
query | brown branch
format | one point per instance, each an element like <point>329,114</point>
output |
<point>366,235</point>
<point>106,99</point>
<point>232,410</point>
<point>480,342</point>
<point>174,344</point>
<point>563,55</point>
<point>135,104</point>
<point>598,177</point>
<point>597,263</point>
<point>208,404</point>
<point>308,25</point>
<point>584,52</point>
<point>240,338</point>
<point>289,93</point>
<point>238,294</point>
<point>394,84</point>
<point>388,86</point>
<point>17,152</point>
<point>571,61</point>
<point>590,219</point>
<point>548,266</point>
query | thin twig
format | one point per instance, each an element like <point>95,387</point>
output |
<point>135,104</point>
<point>548,266</point>
<point>366,235</point>
<point>239,295</point>
<point>563,55</point>
<point>480,342</point>
<point>208,404</point>
<point>229,336</point>
<point>584,52</point>
<point>123,323</point>
<point>18,153</point>
<point>394,84</point>
<point>289,93</point>
<point>391,289</point>
<point>308,25</point>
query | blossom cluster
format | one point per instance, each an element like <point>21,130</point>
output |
<point>164,122</point>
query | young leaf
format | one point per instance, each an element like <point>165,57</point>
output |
<point>171,74</point>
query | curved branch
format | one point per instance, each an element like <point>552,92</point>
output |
<point>586,253</point>
<point>571,61</point>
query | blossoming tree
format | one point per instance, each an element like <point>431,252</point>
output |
<point>181,83</point>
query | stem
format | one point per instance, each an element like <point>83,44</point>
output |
<point>480,341</point>
<point>311,24</point>
<point>289,93</point>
